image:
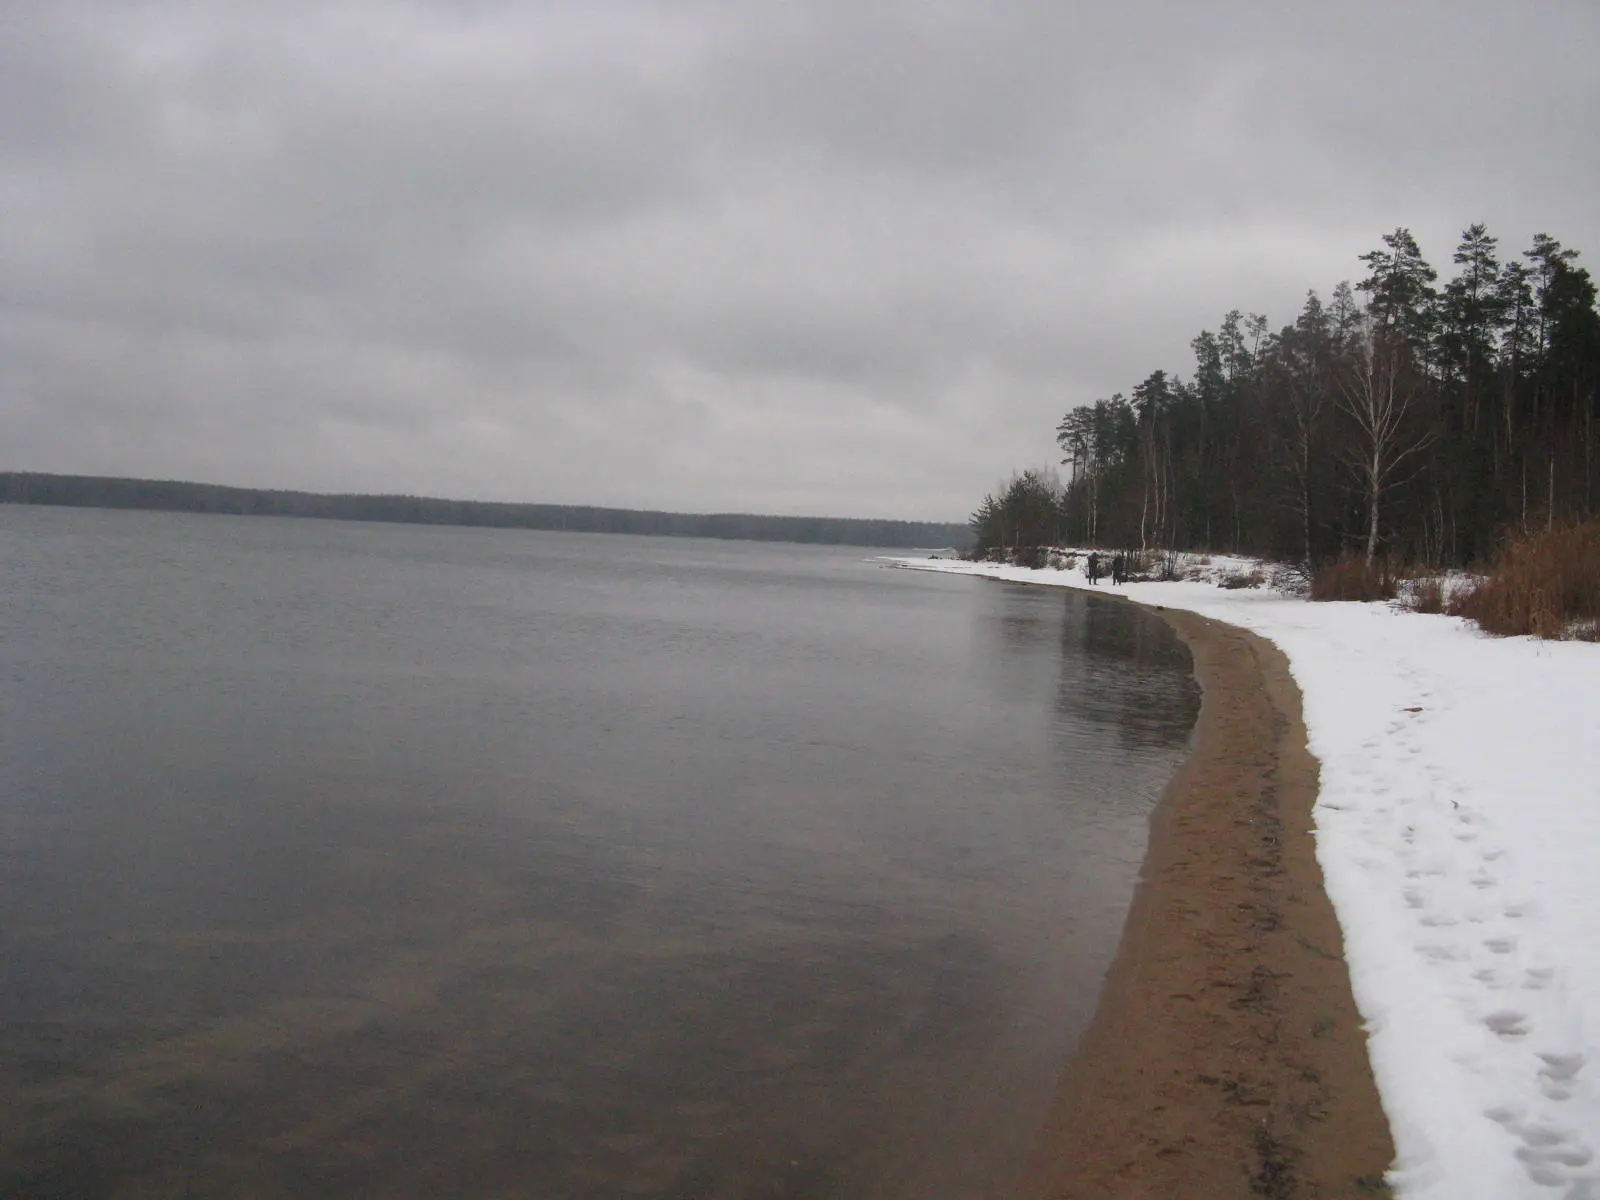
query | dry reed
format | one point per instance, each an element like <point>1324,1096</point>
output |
<point>1546,584</point>
<point>1352,577</point>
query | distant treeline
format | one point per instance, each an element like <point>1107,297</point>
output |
<point>90,491</point>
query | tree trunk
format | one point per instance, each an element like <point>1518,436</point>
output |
<point>1305,499</point>
<point>1374,491</point>
<point>1144,512</point>
<point>1550,510</point>
<point>1588,459</point>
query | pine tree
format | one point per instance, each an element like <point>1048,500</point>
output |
<point>1400,289</point>
<point>1303,374</point>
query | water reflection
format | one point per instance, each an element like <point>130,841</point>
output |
<point>1113,666</point>
<point>1122,668</point>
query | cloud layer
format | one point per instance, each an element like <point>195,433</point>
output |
<point>821,257</point>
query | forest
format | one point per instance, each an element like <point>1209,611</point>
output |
<point>93,491</point>
<point>1396,419</point>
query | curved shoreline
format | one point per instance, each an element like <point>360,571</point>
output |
<point>1226,1057</point>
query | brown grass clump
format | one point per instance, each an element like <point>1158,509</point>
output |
<point>1242,579</point>
<point>1545,584</point>
<point>1352,577</point>
<point>1425,594</point>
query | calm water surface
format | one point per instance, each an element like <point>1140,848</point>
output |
<point>362,860</point>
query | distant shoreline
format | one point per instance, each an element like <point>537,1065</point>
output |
<point>152,495</point>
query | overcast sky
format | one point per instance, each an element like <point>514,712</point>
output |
<point>846,258</point>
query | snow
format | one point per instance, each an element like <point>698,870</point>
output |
<point>1458,828</point>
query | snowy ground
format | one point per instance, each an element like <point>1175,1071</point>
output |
<point>1458,827</point>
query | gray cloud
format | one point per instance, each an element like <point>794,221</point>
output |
<point>812,257</point>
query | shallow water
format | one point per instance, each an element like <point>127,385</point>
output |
<point>371,860</point>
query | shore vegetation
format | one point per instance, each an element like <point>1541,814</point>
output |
<point>1451,427</point>
<point>1546,584</point>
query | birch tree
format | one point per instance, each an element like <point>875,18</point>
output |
<point>1379,395</point>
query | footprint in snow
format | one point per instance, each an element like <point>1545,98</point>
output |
<point>1550,1154</point>
<point>1559,1074</point>
<point>1508,1023</point>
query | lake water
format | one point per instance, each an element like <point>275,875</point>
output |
<point>389,861</point>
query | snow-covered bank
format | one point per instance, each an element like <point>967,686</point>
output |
<point>1458,827</point>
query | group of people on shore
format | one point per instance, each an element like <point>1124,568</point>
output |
<point>1118,567</point>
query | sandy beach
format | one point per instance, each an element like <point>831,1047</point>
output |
<point>1226,1058</point>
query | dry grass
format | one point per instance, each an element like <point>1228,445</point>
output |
<point>1425,594</point>
<point>1544,584</point>
<point>1236,580</point>
<point>1352,577</point>
<point>1164,566</point>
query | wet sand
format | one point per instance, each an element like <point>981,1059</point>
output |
<point>1226,1058</point>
